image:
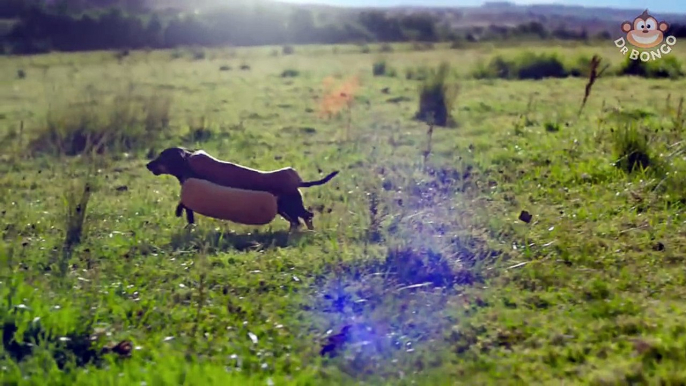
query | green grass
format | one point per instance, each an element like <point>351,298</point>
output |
<point>423,255</point>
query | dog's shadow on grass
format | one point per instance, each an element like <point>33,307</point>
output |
<point>220,240</point>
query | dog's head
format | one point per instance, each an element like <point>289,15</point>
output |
<point>170,161</point>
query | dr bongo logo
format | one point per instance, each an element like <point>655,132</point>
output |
<point>646,33</point>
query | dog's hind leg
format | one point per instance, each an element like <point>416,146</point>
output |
<point>298,210</point>
<point>294,221</point>
<point>284,211</point>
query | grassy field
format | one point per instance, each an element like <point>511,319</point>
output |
<point>419,249</point>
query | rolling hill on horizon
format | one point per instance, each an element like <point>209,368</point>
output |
<point>580,6</point>
<point>473,14</point>
<point>667,7</point>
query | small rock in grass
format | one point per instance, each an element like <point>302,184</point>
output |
<point>525,216</point>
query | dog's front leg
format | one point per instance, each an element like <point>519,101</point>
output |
<point>190,218</point>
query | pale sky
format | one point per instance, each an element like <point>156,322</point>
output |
<point>655,5</point>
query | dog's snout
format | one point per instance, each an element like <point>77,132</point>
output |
<point>153,167</point>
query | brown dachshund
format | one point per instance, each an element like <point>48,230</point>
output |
<point>249,207</point>
<point>282,183</point>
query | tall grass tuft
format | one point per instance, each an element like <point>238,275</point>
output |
<point>198,53</point>
<point>288,50</point>
<point>458,43</point>
<point>386,47</point>
<point>374,230</point>
<point>290,73</point>
<point>419,73</point>
<point>429,142</point>
<point>527,65</point>
<point>122,122</point>
<point>669,67</point>
<point>76,199</point>
<point>631,148</point>
<point>379,68</point>
<point>437,97</point>
<point>679,116</point>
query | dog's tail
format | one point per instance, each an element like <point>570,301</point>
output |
<point>307,184</point>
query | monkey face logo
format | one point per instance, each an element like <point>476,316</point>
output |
<point>645,31</point>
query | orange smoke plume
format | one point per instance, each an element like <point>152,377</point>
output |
<point>336,97</point>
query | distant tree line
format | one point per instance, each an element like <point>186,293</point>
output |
<point>82,25</point>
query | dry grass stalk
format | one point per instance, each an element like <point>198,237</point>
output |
<point>593,75</point>
<point>679,120</point>
<point>429,134</point>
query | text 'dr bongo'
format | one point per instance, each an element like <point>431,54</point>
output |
<point>647,34</point>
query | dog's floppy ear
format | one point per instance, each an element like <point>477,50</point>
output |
<point>184,153</point>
